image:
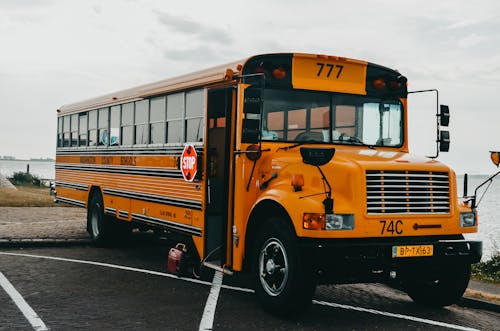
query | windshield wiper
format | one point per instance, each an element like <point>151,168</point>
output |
<point>286,148</point>
<point>352,140</point>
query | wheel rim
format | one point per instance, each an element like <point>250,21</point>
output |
<point>273,267</point>
<point>95,220</point>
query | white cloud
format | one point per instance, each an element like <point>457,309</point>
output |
<point>54,52</point>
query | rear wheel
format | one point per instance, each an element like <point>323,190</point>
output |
<point>104,230</point>
<point>282,282</point>
<point>443,288</point>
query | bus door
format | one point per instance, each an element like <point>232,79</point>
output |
<point>218,223</point>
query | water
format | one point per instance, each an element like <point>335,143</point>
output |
<point>489,224</point>
<point>41,169</point>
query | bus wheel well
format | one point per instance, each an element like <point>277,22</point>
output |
<point>260,215</point>
<point>93,190</point>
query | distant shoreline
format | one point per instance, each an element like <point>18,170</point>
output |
<point>30,160</point>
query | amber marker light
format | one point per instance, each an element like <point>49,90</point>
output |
<point>279,73</point>
<point>495,158</point>
<point>379,84</point>
<point>297,182</point>
<point>313,221</point>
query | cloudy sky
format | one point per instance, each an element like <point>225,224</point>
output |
<point>56,52</point>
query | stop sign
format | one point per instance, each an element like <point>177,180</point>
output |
<point>189,163</point>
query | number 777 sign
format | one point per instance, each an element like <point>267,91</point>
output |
<point>189,163</point>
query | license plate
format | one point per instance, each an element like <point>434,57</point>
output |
<point>412,250</point>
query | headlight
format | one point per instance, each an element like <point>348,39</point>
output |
<point>339,222</point>
<point>467,219</point>
<point>321,221</point>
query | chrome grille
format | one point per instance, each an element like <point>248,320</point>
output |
<point>407,192</point>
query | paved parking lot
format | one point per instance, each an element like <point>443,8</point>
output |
<point>88,288</point>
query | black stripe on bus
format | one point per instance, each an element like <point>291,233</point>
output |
<point>155,198</point>
<point>169,225</point>
<point>70,201</point>
<point>110,211</point>
<point>72,185</point>
<point>172,151</point>
<point>123,213</point>
<point>169,173</point>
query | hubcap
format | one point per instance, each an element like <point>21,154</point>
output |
<point>273,267</point>
<point>95,220</point>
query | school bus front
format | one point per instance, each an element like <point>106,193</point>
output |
<point>325,189</point>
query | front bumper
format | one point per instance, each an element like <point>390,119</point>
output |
<point>370,259</point>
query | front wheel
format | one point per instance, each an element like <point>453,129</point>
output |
<point>283,284</point>
<point>443,288</point>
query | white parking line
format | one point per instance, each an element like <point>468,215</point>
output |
<point>207,321</point>
<point>384,313</point>
<point>241,289</point>
<point>32,317</point>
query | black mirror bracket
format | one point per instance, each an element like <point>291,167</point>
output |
<point>442,119</point>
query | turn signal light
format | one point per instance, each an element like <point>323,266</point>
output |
<point>313,221</point>
<point>279,73</point>
<point>379,84</point>
<point>297,182</point>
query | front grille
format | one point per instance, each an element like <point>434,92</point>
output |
<point>407,192</point>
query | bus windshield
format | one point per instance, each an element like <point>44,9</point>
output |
<point>324,117</point>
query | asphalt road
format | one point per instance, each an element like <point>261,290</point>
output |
<point>91,288</point>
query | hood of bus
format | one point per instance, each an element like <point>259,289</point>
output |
<point>358,178</point>
<point>351,169</point>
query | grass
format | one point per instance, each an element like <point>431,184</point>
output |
<point>488,271</point>
<point>27,196</point>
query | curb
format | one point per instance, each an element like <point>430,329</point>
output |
<point>479,304</point>
<point>43,242</point>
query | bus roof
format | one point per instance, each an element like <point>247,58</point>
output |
<point>199,78</point>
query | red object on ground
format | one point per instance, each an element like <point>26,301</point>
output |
<point>175,258</point>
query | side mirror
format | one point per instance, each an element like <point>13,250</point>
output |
<point>253,101</point>
<point>444,141</point>
<point>495,158</point>
<point>444,115</point>
<point>252,108</point>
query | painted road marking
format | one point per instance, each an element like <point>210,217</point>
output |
<point>32,317</point>
<point>384,313</point>
<point>207,321</point>
<point>242,289</point>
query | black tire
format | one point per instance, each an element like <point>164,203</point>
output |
<point>104,230</point>
<point>283,284</point>
<point>97,227</point>
<point>445,287</point>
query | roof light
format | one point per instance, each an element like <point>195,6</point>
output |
<point>379,84</point>
<point>279,73</point>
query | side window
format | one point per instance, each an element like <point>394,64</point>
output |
<point>103,122</point>
<point>114,129</point>
<point>195,115</point>
<point>93,128</point>
<point>74,130</point>
<point>127,124</point>
<point>175,118</point>
<point>157,120</point>
<point>141,122</point>
<point>60,132</point>
<point>67,131</point>
<point>82,129</point>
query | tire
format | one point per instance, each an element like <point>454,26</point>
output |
<point>283,284</point>
<point>445,287</point>
<point>96,226</point>
<point>104,230</point>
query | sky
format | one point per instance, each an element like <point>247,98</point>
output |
<point>54,52</point>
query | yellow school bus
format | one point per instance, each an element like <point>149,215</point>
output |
<point>292,167</point>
